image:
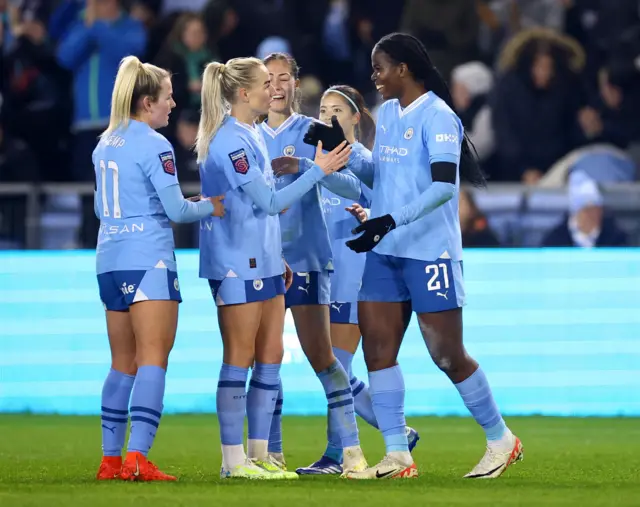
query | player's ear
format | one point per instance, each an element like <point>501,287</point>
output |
<point>403,70</point>
<point>146,103</point>
<point>243,95</point>
<point>355,119</point>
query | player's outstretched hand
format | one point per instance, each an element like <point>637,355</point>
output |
<point>218,206</point>
<point>288,276</point>
<point>285,165</point>
<point>374,230</point>
<point>357,211</point>
<point>333,161</point>
<point>331,137</point>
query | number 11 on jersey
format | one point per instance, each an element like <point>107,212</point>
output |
<point>116,189</point>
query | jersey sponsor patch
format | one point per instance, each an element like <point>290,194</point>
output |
<point>240,161</point>
<point>168,165</point>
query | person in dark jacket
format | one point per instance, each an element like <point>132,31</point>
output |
<point>37,99</point>
<point>535,103</point>
<point>185,54</point>
<point>476,232</point>
<point>586,225</point>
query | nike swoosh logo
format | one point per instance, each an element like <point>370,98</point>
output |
<point>487,473</point>
<point>380,476</point>
<point>137,472</point>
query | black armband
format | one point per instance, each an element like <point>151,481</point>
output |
<point>445,172</point>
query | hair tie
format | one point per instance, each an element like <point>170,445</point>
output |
<point>223,67</point>
<point>349,99</point>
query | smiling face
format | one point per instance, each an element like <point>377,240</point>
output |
<point>284,85</point>
<point>387,75</point>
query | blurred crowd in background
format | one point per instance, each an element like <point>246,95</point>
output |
<point>549,90</point>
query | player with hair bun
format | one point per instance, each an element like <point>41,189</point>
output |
<point>307,248</point>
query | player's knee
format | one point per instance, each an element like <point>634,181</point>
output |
<point>447,360</point>
<point>378,354</point>
<point>240,357</point>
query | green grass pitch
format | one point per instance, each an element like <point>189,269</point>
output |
<point>50,461</point>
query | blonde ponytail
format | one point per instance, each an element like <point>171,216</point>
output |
<point>133,81</point>
<point>220,83</point>
<point>213,108</point>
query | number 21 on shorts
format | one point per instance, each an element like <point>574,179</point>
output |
<point>438,275</point>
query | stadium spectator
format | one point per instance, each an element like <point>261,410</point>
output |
<point>157,27</point>
<point>586,225</point>
<point>92,49</point>
<point>449,30</point>
<point>535,103</point>
<point>186,55</point>
<point>37,95</point>
<point>476,232</point>
<point>471,84</point>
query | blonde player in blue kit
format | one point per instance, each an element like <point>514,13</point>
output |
<point>137,194</point>
<point>241,256</point>
<point>416,262</point>
<point>307,248</point>
<point>347,106</point>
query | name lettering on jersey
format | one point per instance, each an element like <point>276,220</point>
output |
<point>114,141</point>
<point>121,229</point>
<point>240,161</point>
<point>446,138</point>
<point>392,153</point>
<point>168,165</point>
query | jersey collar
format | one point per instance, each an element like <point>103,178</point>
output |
<point>414,105</point>
<point>249,128</point>
<point>284,126</point>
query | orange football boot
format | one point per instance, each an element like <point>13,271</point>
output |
<point>137,467</point>
<point>109,468</point>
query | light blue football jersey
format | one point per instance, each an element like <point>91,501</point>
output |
<point>132,165</point>
<point>305,237</point>
<point>245,243</point>
<point>348,265</point>
<point>408,141</point>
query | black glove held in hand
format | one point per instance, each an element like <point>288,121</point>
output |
<point>374,230</point>
<point>331,137</point>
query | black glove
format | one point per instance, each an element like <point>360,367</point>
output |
<point>331,137</point>
<point>374,230</point>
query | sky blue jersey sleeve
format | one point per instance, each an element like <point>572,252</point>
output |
<point>179,209</point>
<point>443,137</point>
<point>159,163</point>
<point>273,202</point>
<point>240,164</point>
<point>362,165</point>
<point>343,183</point>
